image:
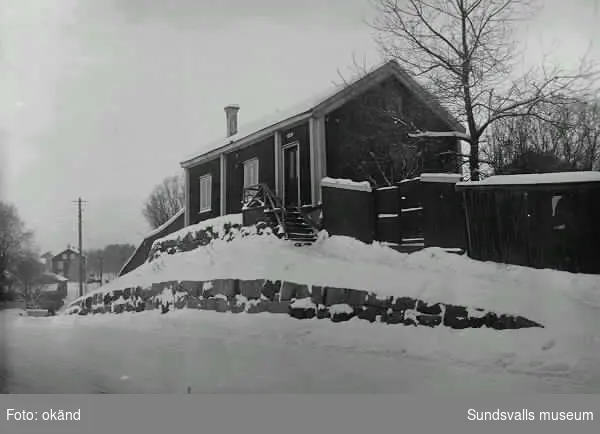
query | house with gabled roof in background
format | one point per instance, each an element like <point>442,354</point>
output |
<point>292,151</point>
<point>66,264</point>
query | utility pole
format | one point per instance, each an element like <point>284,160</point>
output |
<point>101,259</point>
<point>80,227</point>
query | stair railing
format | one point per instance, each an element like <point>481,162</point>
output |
<point>262,195</point>
<point>308,220</point>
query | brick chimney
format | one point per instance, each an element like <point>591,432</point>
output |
<point>231,112</point>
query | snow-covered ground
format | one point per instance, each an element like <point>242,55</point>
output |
<point>73,291</point>
<point>433,275</point>
<point>263,353</point>
<point>225,352</point>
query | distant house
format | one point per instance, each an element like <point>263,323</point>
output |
<point>292,151</point>
<point>66,264</point>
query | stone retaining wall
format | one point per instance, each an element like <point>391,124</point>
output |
<point>297,300</point>
<point>194,239</point>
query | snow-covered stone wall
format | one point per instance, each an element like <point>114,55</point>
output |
<point>297,300</point>
<point>203,234</point>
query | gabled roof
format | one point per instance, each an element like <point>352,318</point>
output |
<point>165,224</point>
<point>322,104</point>
<point>67,250</point>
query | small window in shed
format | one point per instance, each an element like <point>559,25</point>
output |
<point>205,193</point>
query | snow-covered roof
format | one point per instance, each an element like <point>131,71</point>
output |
<point>151,234</point>
<point>165,224</point>
<point>440,177</point>
<point>57,277</point>
<point>537,178</point>
<point>51,278</point>
<point>323,102</point>
<point>68,250</point>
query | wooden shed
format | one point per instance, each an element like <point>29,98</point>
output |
<point>140,255</point>
<point>537,220</point>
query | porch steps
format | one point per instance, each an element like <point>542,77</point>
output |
<point>297,229</point>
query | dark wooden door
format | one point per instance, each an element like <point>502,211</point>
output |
<point>291,176</point>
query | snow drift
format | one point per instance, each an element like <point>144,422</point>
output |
<point>432,275</point>
<point>568,305</point>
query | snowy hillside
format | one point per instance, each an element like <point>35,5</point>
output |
<point>545,296</point>
<point>242,352</point>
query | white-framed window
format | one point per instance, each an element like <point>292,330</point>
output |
<point>250,177</point>
<point>205,193</point>
<point>59,265</point>
<point>251,172</point>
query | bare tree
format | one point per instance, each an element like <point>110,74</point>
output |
<point>564,138</point>
<point>110,259</point>
<point>165,201</point>
<point>467,54</point>
<point>15,241</point>
<point>373,131</point>
<point>28,269</point>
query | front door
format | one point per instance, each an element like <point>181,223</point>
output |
<point>291,176</point>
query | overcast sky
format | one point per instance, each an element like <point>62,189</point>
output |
<point>103,98</point>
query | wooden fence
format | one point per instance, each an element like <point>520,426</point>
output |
<point>536,225</point>
<point>420,212</point>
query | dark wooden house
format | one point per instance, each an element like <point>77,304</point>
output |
<point>66,264</point>
<point>292,151</point>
